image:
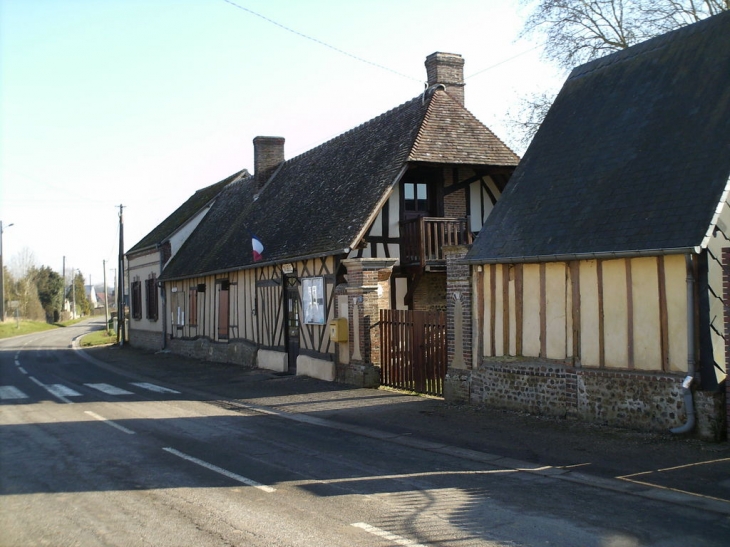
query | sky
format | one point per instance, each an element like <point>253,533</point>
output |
<point>142,102</point>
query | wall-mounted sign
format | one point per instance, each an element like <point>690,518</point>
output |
<point>313,300</point>
<point>287,268</point>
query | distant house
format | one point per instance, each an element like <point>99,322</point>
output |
<point>91,296</point>
<point>349,228</point>
<point>597,279</point>
<point>146,259</point>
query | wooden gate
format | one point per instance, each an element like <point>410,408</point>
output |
<point>413,350</point>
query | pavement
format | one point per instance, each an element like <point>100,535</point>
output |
<point>659,466</point>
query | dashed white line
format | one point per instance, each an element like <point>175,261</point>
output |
<point>221,471</point>
<point>153,387</point>
<point>109,422</point>
<point>109,389</point>
<point>21,369</point>
<point>398,540</point>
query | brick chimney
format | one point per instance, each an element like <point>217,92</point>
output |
<point>447,69</point>
<point>268,154</point>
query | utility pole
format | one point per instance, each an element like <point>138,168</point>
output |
<point>106,301</point>
<point>2,274</point>
<point>120,285</point>
<point>73,292</point>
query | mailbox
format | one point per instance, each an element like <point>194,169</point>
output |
<point>338,330</point>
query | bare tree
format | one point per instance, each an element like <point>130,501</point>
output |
<point>578,31</point>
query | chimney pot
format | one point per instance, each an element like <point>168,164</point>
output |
<point>268,154</point>
<point>447,69</point>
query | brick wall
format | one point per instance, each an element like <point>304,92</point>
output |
<point>430,293</point>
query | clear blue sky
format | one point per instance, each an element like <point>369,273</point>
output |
<point>142,102</point>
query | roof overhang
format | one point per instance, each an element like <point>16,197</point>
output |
<point>570,257</point>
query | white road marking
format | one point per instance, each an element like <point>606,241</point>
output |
<point>398,540</point>
<point>21,369</point>
<point>153,387</point>
<point>17,363</point>
<point>11,392</point>
<point>109,390</point>
<point>109,422</point>
<point>48,389</point>
<point>59,390</point>
<point>221,471</point>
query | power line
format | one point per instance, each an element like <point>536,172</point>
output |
<point>504,61</point>
<point>320,42</point>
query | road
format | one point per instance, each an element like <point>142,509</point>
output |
<point>90,456</point>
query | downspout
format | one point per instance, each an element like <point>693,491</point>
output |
<point>163,296</point>
<point>687,384</point>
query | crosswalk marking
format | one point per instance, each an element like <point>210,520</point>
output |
<point>109,389</point>
<point>153,387</point>
<point>59,390</point>
<point>11,392</point>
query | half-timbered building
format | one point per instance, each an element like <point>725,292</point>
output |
<point>146,259</point>
<point>291,266</point>
<point>597,282</point>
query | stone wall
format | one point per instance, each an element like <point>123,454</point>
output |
<point>239,352</point>
<point>145,339</point>
<point>637,400</point>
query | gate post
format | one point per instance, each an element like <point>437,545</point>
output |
<point>368,291</point>
<point>457,383</point>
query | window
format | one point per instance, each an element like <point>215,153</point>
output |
<point>151,297</point>
<point>136,300</point>
<point>193,307</point>
<point>416,199</point>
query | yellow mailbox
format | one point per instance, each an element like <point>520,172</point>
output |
<point>338,330</point>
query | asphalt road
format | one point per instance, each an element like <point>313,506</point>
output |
<point>90,456</point>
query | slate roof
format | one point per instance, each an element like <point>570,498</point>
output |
<point>321,202</point>
<point>183,213</point>
<point>632,158</point>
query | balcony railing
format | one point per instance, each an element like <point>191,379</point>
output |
<point>423,239</point>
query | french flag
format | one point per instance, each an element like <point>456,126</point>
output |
<point>258,248</point>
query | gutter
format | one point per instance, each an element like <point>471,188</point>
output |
<point>567,257</point>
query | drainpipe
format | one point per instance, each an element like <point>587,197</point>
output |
<point>163,297</point>
<point>687,384</point>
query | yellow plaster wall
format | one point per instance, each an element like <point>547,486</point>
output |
<point>675,273</point>
<point>531,310</point>
<point>486,313</point>
<point>647,337</point>
<point>512,313</point>
<point>615,313</point>
<point>555,313</point>
<point>499,315</point>
<point>590,355</point>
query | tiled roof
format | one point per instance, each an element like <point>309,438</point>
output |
<point>633,156</point>
<point>321,202</point>
<point>451,134</point>
<point>183,213</point>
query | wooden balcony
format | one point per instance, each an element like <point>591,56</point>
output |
<point>423,239</point>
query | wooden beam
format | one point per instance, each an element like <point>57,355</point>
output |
<point>543,312</point>
<point>492,307</point>
<point>663,315</point>
<point>519,308</point>
<point>630,313</point>
<point>575,285</point>
<point>601,320</point>
<point>505,309</point>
